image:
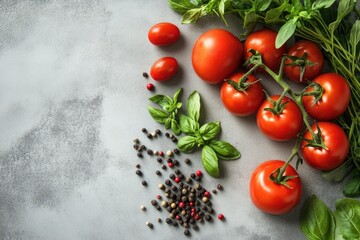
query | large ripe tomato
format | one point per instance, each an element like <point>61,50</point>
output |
<point>263,41</point>
<point>271,197</point>
<point>336,142</point>
<point>163,34</point>
<point>283,126</point>
<point>313,55</point>
<point>242,102</point>
<point>335,97</point>
<point>216,55</point>
<point>164,68</point>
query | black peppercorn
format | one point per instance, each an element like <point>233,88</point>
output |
<point>214,191</point>
<point>144,130</point>
<point>144,183</point>
<point>195,227</point>
<point>169,160</point>
<point>136,147</point>
<point>158,172</point>
<point>159,159</point>
<point>169,209</point>
<point>163,166</point>
<point>138,172</point>
<point>154,203</point>
<point>139,155</point>
<point>175,224</point>
<point>176,151</point>
<point>211,210</point>
<point>174,188</point>
<point>150,152</point>
<point>168,182</point>
<point>219,187</point>
<point>145,75</point>
<point>203,207</point>
<point>157,131</point>
<point>197,178</point>
<point>188,180</point>
<point>177,172</point>
<point>149,135</point>
<point>168,221</point>
<point>207,217</point>
<point>137,166</point>
<point>159,220</point>
<point>172,176</point>
<point>192,175</point>
<point>158,208</point>
<point>187,161</point>
<point>167,134</point>
<point>187,232</point>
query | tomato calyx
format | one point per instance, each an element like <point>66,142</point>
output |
<point>316,90</point>
<point>242,84</point>
<point>317,140</point>
<point>278,105</point>
<point>302,62</point>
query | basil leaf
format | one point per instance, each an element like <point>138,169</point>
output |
<point>262,5</point>
<point>180,6</point>
<point>316,220</point>
<point>158,115</point>
<point>273,15</point>
<point>167,123</point>
<point>338,174</point>
<point>345,7</point>
<point>188,125</point>
<point>352,186</point>
<point>250,18</point>
<point>224,150</point>
<point>347,216</point>
<point>192,15</point>
<point>175,127</point>
<point>193,105</point>
<point>210,161</point>
<point>210,130</point>
<point>177,95</point>
<point>162,100</point>
<point>187,144</point>
<point>318,4</point>
<point>355,35</point>
<point>285,32</point>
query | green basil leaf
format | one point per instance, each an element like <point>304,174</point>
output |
<point>193,105</point>
<point>316,220</point>
<point>167,123</point>
<point>187,144</point>
<point>285,32</point>
<point>210,130</point>
<point>192,15</point>
<point>347,216</point>
<point>210,161</point>
<point>175,127</point>
<point>355,35</point>
<point>177,95</point>
<point>345,7</point>
<point>250,18</point>
<point>188,125</point>
<point>273,15</point>
<point>262,5</point>
<point>337,174</point>
<point>181,6</point>
<point>162,100</point>
<point>352,185</point>
<point>318,4</point>
<point>158,115</point>
<point>224,150</point>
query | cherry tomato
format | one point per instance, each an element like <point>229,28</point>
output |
<point>242,102</point>
<point>263,41</point>
<point>313,55</point>
<point>216,55</point>
<point>335,97</point>
<point>336,142</point>
<point>163,34</point>
<point>271,197</point>
<point>281,127</point>
<point>164,69</point>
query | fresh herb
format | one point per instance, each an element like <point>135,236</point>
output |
<point>318,222</point>
<point>170,107</point>
<point>197,136</point>
<point>333,25</point>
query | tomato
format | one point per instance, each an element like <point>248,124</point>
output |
<point>313,55</point>
<point>271,197</point>
<point>242,102</point>
<point>163,34</point>
<point>164,69</point>
<point>216,55</point>
<point>281,127</point>
<point>263,41</point>
<point>336,142</point>
<point>335,97</point>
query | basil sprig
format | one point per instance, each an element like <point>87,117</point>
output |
<point>318,222</point>
<point>170,107</point>
<point>204,136</point>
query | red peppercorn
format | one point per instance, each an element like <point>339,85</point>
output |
<point>221,216</point>
<point>198,173</point>
<point>177,179</point>
<point>150,87</point>
<point>191,204</point>
<point>171,165</point>
<point>182,204</point>
<point>207,194</point>
<point>196,217</point>
<point>178,217</point>
<point>193,210</point>
<point>158,196</point>
<point>161,153</point>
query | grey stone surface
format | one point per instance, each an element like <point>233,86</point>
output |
<point>72,99</point>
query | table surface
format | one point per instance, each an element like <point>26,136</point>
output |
<point>73,98</point>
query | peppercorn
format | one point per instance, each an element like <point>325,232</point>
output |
<point>173,139</point>
<point>197,178</point>
<point>207,194</point>
<point>164,204</point>
<point>187,232</point>
<point>168,220</point>
<point>138,172</point>
<point>159,220</point>
<point>184,191</point>
<point>150,152</point>
<point>176,151</point>
<point>161,186</point>
<point>187,161</point>
<point>163,166</point>
<point>169,160</point>
<point>221,216</point>
<point>214,191</point>
<point>167,134</point>
<point>181,184</point>
<point>150,86</point>
<point>159,160</point>
<point>136,147</point>
<point>142,207</point>
<point>188,180</point>
<point>168,182</point>
<point>145,75</point>
<point>149,224</point>
<point>198,186</point>
<point>154,202</point>
<point>156,152</point>
<point>158,172</point>
<point>153,134</point>
<point>144,130</point>
<point>158,208</point>
<point>169,209</point>
<point>192,175</point>
<point>157,131</point>
<point>158,197</point>
<point>139,155</point>
<point>211,210</point>
<point>167,195</point>
<point>161,153</point>
<point>137,166</point>
<point>177,171</point>
<point>169,153</point>
<point>203,207</point>
<point>136,141</point>
<point>172,176</point>
<point>174,188</point>
<point>198,173</point>
<point>177,179</point>
<point>149,135</point>
<point>220,187</point>
<point>167,190</point>
<point>171,165</point>
<point>175,224</point>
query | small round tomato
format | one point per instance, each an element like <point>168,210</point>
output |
<point>164,69</point>
<point>336,142</point>
<point>263,41</point>
<point>216,55</point>
<point>163,34</point>
<point>272,197</point>
<point>244,101</point>
<point>282,126</point>
<point>313,55</point>
<point>334,100</point>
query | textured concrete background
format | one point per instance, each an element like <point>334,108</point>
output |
<point>72,99</point>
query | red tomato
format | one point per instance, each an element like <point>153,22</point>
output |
<point>271,197</point>
<point>337,147</point>
<point>216,55</point>
<point>164,69</point>
<point>263,41</point>
<point>242,102</point>
<point>163,34</point>
<point>314,55</point>
<point>281,127</point>
<point>335,98</point>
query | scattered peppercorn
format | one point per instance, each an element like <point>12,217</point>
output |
<point>138,172</point>
<point>159,160</point>
<point>220,187</point>
<point>159,220</point>
<point>176,162</point>
<point>168,221</point>
<point>136,140</point>
<point>163,166</point>
<point>145,75</point>
<point>221,216</point>
<point>161,186</point>
<point>149,224</point>
<point>150,86</point>
<point>173,139</point>
<point>167,134</point>
<point>208,217</point>
<point>142,207</point>
<point>207,194</point>
<point>172,176</point>
<point>158,172</point>
<point>150,152</point>
<point>169,153</point>
<point>136,146</point>
<point>158,132</point>
<point>171,165</point>
<point>139,154</point>
<point>187,232</point>
<point>214,191</point>
<point>144,183</point>
<point>137,166</point>
<point>187,161</point>
<point>144,130</point>
<point>176,151</point>
<point>149,135</point>
<point>177,179</point>
<point>161,153</point>
<point>198,173</point>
